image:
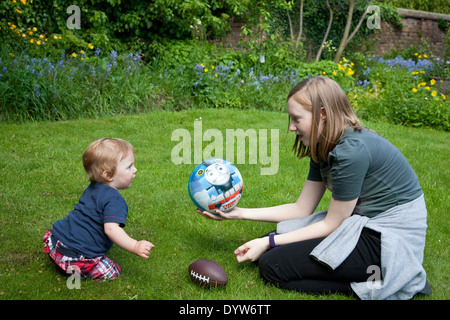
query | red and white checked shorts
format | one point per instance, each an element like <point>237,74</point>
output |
<point>99,268</point>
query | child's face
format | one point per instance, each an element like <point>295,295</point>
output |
<point>301,121</point>
<point>125,172</point>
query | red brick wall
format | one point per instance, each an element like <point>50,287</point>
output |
<point>418,27</point>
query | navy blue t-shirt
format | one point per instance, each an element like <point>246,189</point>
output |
<point>83,229</point>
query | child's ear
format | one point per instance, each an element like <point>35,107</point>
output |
<point>323,115</point>
<point>107,176</point>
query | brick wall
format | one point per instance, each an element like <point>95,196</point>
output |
<point>233,38</point>
<point>418,27</point>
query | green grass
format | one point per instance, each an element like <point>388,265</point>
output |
<point>42,178</point>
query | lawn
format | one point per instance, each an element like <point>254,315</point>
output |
<point>42,178</point>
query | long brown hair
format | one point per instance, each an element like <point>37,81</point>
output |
<point>322,94</point>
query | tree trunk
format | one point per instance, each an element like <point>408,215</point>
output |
<point>346,38</point>
<point>319,53</point>
<point>351,6</point>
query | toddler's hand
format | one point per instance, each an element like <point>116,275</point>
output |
<point>142,248</point>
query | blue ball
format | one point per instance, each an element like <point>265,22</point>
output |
<point>215,184</point>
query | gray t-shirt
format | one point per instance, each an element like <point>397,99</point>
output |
<point>366,166</point>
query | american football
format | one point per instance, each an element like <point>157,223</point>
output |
<point>207,273</point>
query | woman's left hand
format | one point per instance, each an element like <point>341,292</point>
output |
<point>252,250</point>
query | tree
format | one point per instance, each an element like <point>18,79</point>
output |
<point>346,37</point>
<point>330,21</point>
<point>288,6</point>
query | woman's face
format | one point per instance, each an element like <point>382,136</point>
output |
<point>301,121</point>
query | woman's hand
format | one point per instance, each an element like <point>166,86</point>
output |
<point>252,250</point>
<point>235,213</point>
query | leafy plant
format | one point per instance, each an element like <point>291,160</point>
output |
<point>399,91</point>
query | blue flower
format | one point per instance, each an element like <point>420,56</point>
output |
<point>36,91</point>
<point>113,58</point>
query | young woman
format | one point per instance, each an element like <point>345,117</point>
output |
<point>371,239</point>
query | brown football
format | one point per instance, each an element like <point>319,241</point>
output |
<point>207,273</point>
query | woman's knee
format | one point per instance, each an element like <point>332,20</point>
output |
<point>269,267</point>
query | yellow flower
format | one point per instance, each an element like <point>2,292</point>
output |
<point>206,69</point>
<point>212,67</point>
<point>32,41</point>
<point>427,88</point>
<point>38,42</point>
<point>432,82</point>
<point>215,75</point>
<point>90,46</point>
<point>41,36</point>
<point>414,90</point>
<point>34,29</point>
<point>349,72</point>
<point>82,51</point>
<point>416,54</point>
<point>74,55</point>
<point>55,37</point>
<point>23,35</point>
<point>18,11</point>
<point>11,54</point>
<point>334,73</point>
<point>425,56</point>
<point>434,93</point>
<point>30,33</point>
<point>443,96</point>
<point>324,73</point>
<point>23,1</point>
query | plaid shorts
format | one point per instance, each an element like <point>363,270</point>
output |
<point>99,268</point>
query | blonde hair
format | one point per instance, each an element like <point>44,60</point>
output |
<point>321,94</point>
<point>102,156</point>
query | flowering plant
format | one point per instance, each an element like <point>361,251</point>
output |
<point>440,68</point>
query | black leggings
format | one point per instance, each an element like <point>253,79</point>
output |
<point>291,267</point>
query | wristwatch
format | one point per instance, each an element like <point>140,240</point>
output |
<point>272,244</point>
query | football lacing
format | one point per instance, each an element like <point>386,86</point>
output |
<point>199,277</point>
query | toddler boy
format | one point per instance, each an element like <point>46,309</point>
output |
<point>81,240</point>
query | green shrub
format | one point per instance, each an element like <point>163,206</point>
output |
<point>73,86</point>
<point>401,95</point>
